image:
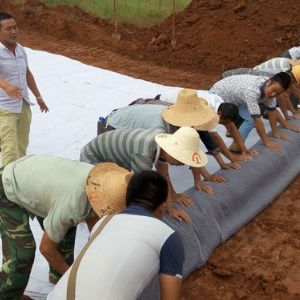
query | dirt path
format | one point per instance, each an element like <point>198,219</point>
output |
<point>261,261</point>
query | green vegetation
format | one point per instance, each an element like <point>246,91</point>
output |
<point>141,12</point>
<point>18,2</point>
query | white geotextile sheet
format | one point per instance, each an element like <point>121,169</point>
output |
<point>77,94</point>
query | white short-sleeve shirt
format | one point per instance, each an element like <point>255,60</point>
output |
<point>123,259</point>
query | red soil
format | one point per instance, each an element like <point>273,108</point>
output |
<point>262,260</point>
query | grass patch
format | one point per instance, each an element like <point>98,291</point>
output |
<point>18,2</point>
<point>140,12</point>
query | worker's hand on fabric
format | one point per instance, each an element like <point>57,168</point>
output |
<point>183,199</point>
<point>281,136</point>
<point>251,152</point>
<point>273,146</point>
<point>231,165</point>
<point>292,127</point>
<point>179,215</point>
<point>13,91</point>
<point>216,178</point>
<point>293,117</point>
<point>200,186</point>
<point>43,107</point>
<point>242,157</point>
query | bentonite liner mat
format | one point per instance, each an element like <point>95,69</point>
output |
<point>235,203</point>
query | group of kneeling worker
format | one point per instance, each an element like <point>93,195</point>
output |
<point>122,200</point>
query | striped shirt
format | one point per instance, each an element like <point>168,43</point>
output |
<point>13,69</point>
<point>244,90</point>
<point>245,71</point>
<point>275,65</point>
<point>133,149</point>
<point>295,53</point>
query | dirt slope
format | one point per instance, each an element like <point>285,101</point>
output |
<point>212,36</point>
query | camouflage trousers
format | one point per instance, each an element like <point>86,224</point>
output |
<point>66,249</point>
<point>18,248</point>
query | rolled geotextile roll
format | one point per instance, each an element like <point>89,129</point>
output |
<point>246,193</point>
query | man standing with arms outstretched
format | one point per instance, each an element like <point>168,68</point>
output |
<point>15,79</point>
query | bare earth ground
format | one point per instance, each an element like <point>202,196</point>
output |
<point>262,260</point>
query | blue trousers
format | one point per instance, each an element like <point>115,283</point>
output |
<point>248,123</point>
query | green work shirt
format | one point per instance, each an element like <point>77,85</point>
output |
<point>49,187</point>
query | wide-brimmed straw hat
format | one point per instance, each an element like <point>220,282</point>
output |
<point>190,110</point>
<point>212,123</point>
<point>184,146</point>
<point>296,72</point>
<point>106,188</point>
<point>294,62</point>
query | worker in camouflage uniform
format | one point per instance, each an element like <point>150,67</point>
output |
<point>53,189</point>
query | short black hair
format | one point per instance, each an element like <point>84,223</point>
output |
<point>5,16</point>
<point>148,189</point>
<point>283,78</point>
<point>229,111</point>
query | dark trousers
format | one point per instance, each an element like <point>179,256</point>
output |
<point>66,249</point>
<point>209,143</point>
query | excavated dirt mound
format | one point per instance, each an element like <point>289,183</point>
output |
<point>262,260</point>
<point>211,35</point>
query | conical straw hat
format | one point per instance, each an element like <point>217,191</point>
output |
<point>106,188</point>
<point>183,145</point>
<point>190,110</point>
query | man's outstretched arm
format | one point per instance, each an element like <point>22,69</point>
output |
<point>170,287</point>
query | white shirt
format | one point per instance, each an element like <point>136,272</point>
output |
<point>244,90</point>
<point>13,69</point>
<point>124,258</point>
<point>295,53</point>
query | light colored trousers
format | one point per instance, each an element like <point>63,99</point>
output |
<point>14,133</point>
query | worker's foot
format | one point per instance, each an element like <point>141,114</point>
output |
<point>234,148</point>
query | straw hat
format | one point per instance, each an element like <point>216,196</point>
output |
<point>294,62</point>
<point>296,73</point>
<point>212,123</point>
<point>183,145</point>
<point>190,110</point>
<point>106,188</point>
